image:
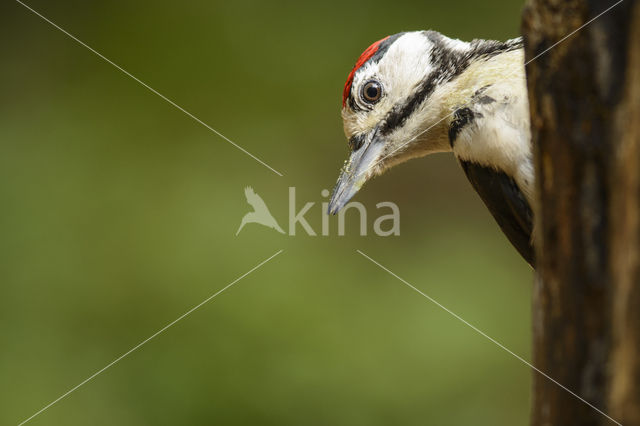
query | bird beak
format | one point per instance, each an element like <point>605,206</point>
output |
<point>358,169</point>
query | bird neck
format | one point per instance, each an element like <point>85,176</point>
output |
<point>505,69</point>
<point>492,127</point>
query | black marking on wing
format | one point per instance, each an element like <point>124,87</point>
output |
<point>480,98</point>
<point>507,204</point>
<point>461,118</point>
<point>485,100</point>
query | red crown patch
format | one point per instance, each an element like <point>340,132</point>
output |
<point>366,55</point>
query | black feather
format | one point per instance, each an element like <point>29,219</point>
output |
<point>507,204</point>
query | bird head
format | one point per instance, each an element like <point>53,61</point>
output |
<point>394,104</point>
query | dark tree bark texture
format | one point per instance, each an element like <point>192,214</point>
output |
<point>584,97</point>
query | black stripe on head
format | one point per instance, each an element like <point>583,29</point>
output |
<point>447,64</point>
<point>400,112</point>
<point>384,46</point>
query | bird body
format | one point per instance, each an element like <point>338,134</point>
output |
<point>417,93</point>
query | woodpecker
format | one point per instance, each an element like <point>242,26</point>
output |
<point>416,93</point>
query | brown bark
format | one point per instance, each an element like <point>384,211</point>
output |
<point>584,96</point>
<point>624,398</point>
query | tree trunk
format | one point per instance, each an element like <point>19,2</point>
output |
<point>584,97</point>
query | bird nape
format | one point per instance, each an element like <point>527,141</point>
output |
<point>416,93</point>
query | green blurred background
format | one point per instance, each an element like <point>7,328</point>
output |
<point>118,214</point>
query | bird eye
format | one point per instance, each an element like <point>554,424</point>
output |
<point>371,91</point>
